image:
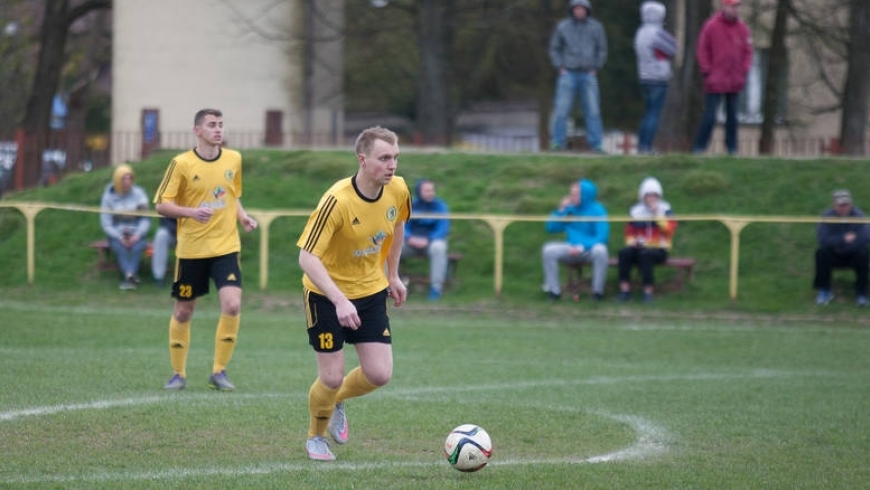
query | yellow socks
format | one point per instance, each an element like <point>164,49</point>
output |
<point>179,345</point>
<point>355,384</point>
<point>322,399</point>
<point>225,341</point>
<point>321,402</point>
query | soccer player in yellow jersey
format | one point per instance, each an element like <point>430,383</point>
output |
<point>349,253</point>
<point>202,189</point>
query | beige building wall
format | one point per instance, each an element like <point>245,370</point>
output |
<point>808,93</point>
<point>242,57</point>
<point>811,105</point>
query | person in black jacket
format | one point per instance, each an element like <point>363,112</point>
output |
<point>842,245</point>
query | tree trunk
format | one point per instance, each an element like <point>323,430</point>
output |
<point>57,18</point>
<point>776,64</point>
<point>434,119</point>
<point>546,76</point>
<point>856,93</point>
<point>685,101</point>
<point>35,126</point>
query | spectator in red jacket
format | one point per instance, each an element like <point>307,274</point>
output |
<point>724,56</point>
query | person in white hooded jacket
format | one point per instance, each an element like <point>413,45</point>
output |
<point>655,48</point>
<point>648,238</point>
<point>126,232</point>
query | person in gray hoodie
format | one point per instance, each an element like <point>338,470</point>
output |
<point>578,50</point>
<point>655,48</point>
<point>126,232</point>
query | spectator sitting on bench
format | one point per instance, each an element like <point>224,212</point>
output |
<point>164,240</point>
<point>429,235</point>
<point>586,241</point>
<point>842,245</point>
<point>648,239</point>
<point>125,233</point>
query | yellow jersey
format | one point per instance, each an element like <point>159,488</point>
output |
<point>192,181</point>
<point>352,235</point>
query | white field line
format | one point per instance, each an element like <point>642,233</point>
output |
<point>651,321</point>
<point>651,439</point>
<point>414,392</point>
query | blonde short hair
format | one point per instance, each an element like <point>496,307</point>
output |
<point>366,139</point>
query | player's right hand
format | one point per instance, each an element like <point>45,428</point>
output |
<point>347,315</point>
<point>203,214</point>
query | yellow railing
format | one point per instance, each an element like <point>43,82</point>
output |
<point>498,224</point>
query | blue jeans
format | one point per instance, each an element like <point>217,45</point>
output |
<point>128,258</point>
<point>711,105</point>
<point>654,96</point>
<point>572,84</point>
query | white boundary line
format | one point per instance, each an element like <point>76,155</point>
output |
<point>650,439</point>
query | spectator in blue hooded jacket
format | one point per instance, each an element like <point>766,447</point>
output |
<point>586,241</point>
<point>428,236</point>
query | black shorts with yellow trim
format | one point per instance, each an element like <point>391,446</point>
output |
<point>326,335</point>
<point>192,276</point>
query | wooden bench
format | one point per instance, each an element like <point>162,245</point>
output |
<point>684,266</point>
<point>104,256</point>
<point>105,261</point>
<point>420,276</point>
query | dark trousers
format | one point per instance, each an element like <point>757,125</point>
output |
<point>828,258</point>
<point>646,260</point>
<point>708,121</point>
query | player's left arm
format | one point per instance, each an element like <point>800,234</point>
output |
<point>248,223</point>
<point>397,290</point>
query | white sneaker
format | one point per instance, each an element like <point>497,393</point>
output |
<point>318,449</point>
<point>338,427</point>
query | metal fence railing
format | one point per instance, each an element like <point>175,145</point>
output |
<point>497,223</point>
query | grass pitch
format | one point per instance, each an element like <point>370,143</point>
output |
<point>571,401</point>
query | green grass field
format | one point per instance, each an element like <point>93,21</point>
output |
<point>571,401</point>
<point>692,392</point>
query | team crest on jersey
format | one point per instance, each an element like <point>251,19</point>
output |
<point>228,175</point>
<point>391,213</point>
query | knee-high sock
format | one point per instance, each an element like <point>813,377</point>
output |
<point>355,384</point>
<point>179,345</point>
<point>225,341</point>
<point>321,403</point>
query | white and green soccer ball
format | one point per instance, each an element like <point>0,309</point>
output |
<point>468,448</point>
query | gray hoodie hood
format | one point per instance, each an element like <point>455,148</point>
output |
<point>653,13</point>
<point>580,3</point>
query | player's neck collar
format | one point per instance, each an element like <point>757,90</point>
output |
<point>203,158</point>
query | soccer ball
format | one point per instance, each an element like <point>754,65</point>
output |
<point>468,448</point>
